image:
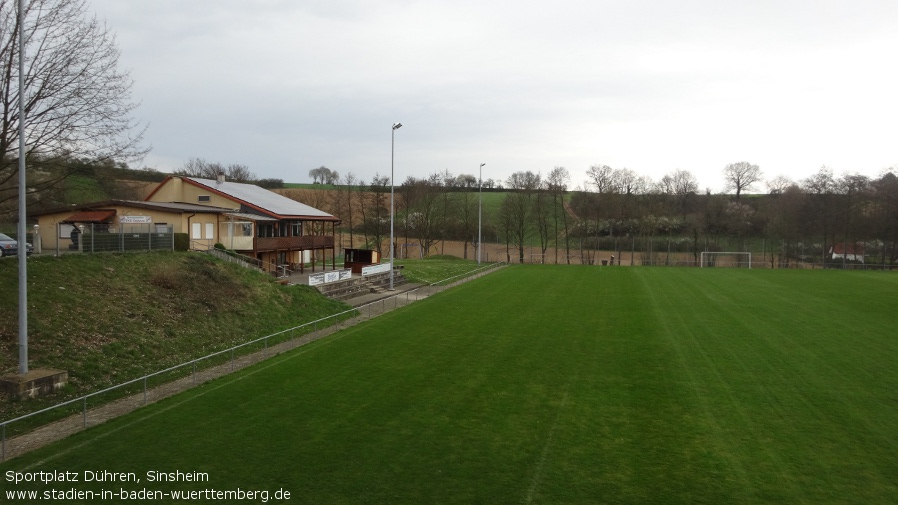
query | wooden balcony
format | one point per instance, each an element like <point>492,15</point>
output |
<point>293,243</point>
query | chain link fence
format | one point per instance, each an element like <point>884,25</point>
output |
<point>101,237</point>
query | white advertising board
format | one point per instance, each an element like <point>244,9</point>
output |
<point>328,277</point>
<point>375,269</point>
<point>135,219</point>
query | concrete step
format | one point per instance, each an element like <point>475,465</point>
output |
<point>359,286</point>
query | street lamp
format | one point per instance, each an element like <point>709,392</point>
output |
<point>479,210</point>
<point>20,227</point>
<point>396,126</point>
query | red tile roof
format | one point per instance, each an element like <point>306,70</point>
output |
<point>857,249</point>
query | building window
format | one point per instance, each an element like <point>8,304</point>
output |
<point>196,230</point>
<point>204,198</point>
<point>296,229</point>
<point>210,231</point>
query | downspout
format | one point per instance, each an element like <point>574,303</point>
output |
<point>189,231</point>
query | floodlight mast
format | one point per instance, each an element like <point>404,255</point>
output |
<point>22,252</point>
<point>396,126</point>
<point>479,210</point>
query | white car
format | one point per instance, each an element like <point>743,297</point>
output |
<point>9,247</point>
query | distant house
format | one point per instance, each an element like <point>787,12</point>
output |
<point>850,252</point>
<point>246,218</point>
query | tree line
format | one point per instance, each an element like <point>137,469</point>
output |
<point>623,211</point>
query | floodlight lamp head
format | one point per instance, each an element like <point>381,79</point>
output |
<point>482,165</point>
<point>397,126</point>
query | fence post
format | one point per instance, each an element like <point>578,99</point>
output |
<point>84,411</point>
<point>232,359</point>
<point>3,449</point>
<point>194,372</point>
<point>144,389</point>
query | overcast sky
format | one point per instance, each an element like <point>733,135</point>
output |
<point>285,86</point>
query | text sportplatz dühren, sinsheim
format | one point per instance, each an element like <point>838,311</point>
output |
<point>119,486</point>
<point>54,476</point>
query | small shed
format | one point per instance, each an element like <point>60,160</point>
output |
<point>356,259</point>
<point>850,252</point>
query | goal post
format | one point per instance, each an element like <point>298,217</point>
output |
<point>729,259</point>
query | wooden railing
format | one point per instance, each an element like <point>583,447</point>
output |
<point>294,243</point>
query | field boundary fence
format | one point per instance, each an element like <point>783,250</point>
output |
<point>661,260</point>
<point>36,429</point>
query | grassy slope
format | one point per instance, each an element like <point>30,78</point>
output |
<point>109,318</point>
<point>557,385</point>
<point>434,268</point>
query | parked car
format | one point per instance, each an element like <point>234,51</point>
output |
<point>9,247</point>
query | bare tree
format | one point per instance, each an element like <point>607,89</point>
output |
<point>542,214</point>
<point>680,186</point>
<point>558,181</point>
<point>786,222</point>
<point>462,218</point>
<point>423,208</point>
<point>77,102</point>
<point>346,193</point>
<point>517,207</point>
<point>318,174</point>
<point>198,167</point>
<point>779,184</point>
<point>740,176</point>
<point>821,188</point>
<point>466,181</point>
<point>444,183</point>
<point>324,175</point>
<point>601,176</point>
<point>885,212</point>
<point>377,216</point>
<point>856,192</point>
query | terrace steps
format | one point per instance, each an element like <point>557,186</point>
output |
<point>361,286</point>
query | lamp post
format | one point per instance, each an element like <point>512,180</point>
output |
<point>479,210</point>
<point>20,228</point>
<point>396,126</point>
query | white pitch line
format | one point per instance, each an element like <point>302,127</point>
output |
<point>537,477</point>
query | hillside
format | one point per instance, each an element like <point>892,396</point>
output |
<point>110,318</point>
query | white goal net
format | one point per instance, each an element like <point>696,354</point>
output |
<point>726,259</point>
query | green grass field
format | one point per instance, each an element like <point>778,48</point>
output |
<point>543,384</point>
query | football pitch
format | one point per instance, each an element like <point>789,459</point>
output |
<point>539,384</point>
